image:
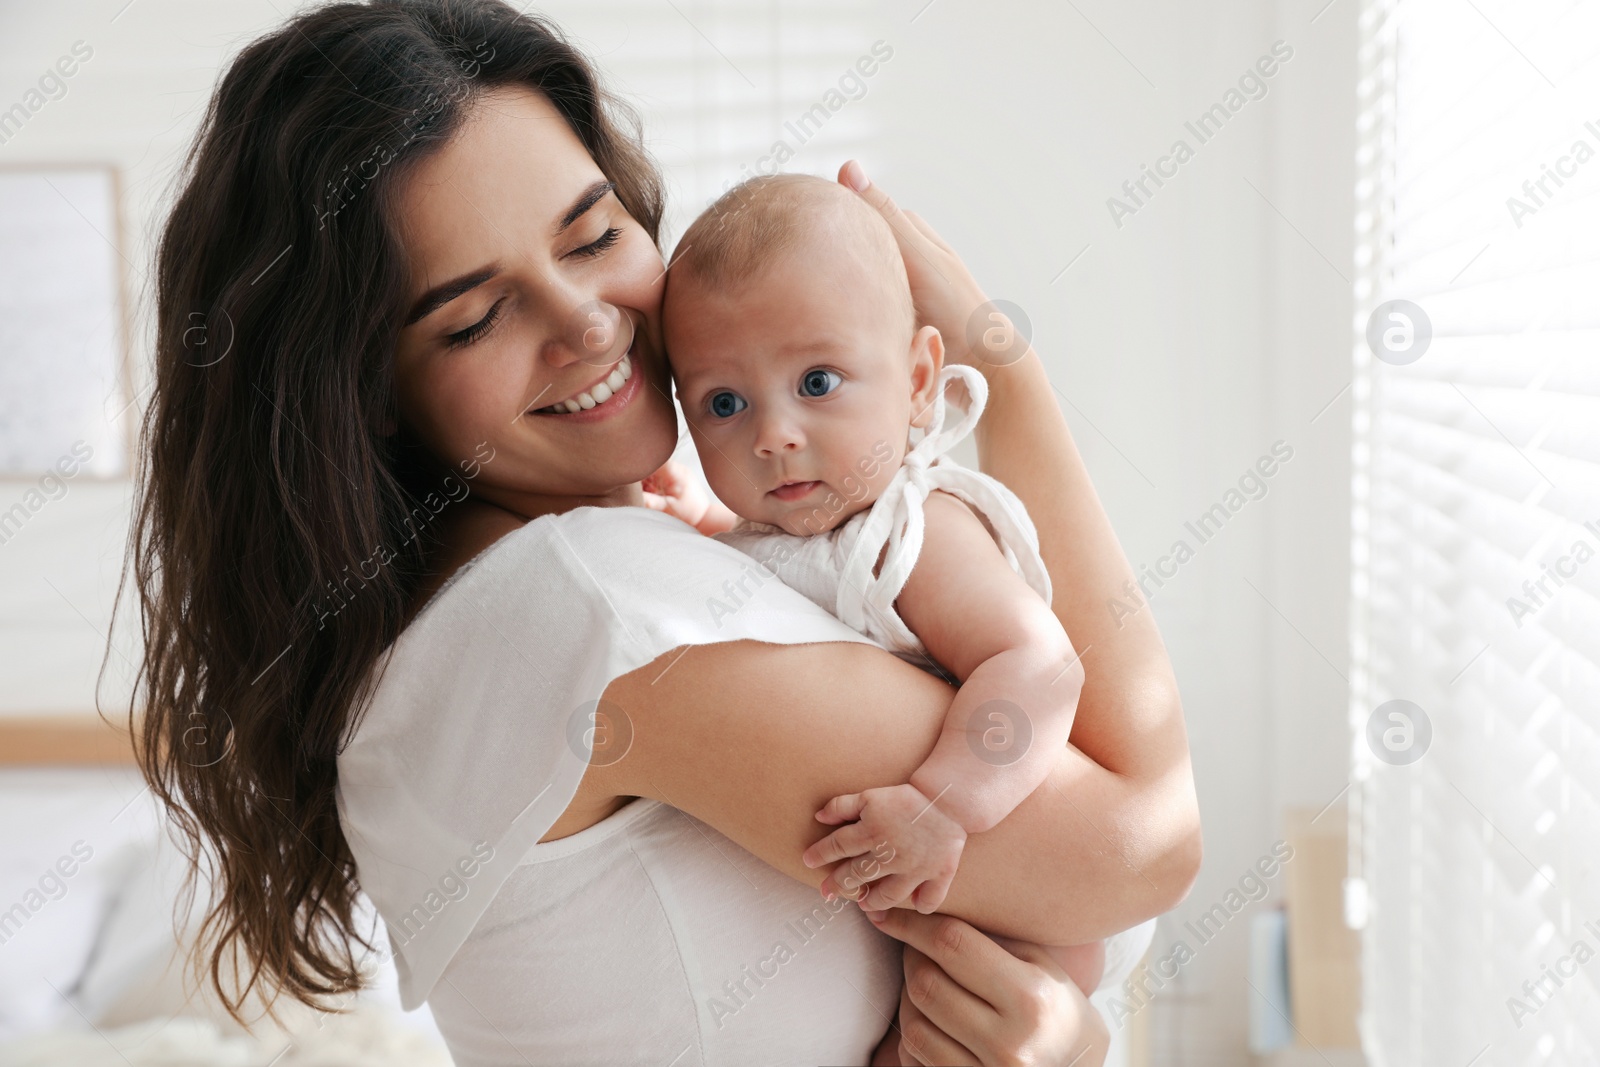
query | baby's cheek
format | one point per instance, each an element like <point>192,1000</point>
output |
<point>727,483</point>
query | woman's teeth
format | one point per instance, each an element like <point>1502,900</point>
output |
<point>598,394</point>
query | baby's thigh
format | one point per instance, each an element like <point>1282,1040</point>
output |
<point>1084,964</point>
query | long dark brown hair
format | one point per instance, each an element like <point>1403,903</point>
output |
<point>273,473</point>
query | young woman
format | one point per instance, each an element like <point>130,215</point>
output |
<point>408,632</point>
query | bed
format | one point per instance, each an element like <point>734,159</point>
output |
<point>89,949</point>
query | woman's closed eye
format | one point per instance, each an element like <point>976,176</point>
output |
<point>472,333</point>
<point>477,329</point>
<point>724,404</point>
<point>599,244</point>
<point>819,381</point>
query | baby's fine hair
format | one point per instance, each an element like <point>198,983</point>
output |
<point>760,219</point>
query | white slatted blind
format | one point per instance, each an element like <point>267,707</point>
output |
<point>720,82</point>
<point>1476,468</point>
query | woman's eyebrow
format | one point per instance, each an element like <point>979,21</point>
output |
<point>440,295</point>
<point>589,198</point>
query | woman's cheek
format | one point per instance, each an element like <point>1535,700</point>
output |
<point>465,404</point>
<point>645,272</point>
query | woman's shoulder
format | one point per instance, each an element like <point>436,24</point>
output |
<point>467,532</point>
<point>479,533</point>
<point>649,578</point>
<point>481,526</point>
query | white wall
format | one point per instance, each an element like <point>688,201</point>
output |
<point>1186,342</point>
<point>134,104</point>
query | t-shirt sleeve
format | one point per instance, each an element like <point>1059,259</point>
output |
<point>481,723</point>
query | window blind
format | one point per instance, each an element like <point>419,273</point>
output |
<point>1476,547</point>
<point>721,83</point>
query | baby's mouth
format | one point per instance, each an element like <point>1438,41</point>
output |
<point>790,491</point>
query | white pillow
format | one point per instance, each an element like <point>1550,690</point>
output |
<point>64,847</point>
<point>133,972</point>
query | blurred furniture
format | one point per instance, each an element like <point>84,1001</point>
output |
<point>1324,972</point>
<point>63,741</point>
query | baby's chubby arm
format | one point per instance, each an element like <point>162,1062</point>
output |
<point>1005,731</point>
<point>978,618</point>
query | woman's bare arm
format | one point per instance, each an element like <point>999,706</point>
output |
<point>1130,719</point>
<point>752,739</point>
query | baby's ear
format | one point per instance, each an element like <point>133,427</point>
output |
<point>927,359</point>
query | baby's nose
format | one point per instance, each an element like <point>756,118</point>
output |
<point>779,435</point>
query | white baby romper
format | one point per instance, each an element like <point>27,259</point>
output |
<point>834,569</point>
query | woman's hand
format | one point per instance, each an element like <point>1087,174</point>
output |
<point>969,998</point>
<point>946,295</point>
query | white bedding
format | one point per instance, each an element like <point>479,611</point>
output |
<point>369,1036</point>
<point>88,976</point>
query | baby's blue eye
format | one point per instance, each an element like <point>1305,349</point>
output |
<point>819,382</point>
<point>725,403</point>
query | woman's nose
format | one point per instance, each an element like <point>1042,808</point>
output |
<point>592,332</point>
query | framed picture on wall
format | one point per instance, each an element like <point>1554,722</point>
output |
<point>65,396</point>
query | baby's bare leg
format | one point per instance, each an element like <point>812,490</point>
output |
<point>1084,964</point>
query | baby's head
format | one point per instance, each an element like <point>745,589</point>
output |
<point>796,353</point>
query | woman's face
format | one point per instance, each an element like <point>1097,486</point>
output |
<point>531,286</point>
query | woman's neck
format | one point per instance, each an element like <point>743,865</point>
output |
<point>480,520</point>
<point>528,506</point>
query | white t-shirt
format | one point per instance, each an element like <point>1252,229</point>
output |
<point>646,938</point>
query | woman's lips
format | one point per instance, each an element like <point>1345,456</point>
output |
<point>789,491</point>
<point>613,404</point>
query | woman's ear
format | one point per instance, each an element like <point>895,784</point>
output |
<point>927,360</point>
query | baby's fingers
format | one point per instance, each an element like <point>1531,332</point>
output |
<point>842,809</point>
<point>930,895</point>
<point>843,843</point>
<point>890,891</point>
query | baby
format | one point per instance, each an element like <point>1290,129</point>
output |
<point>802,373</point>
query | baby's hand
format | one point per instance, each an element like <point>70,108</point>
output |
<point>896,834</point>
<point>673,491</point>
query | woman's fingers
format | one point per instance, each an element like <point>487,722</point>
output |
<point>912,240</point>
<point>923,1042</point>
<point>967,954</point>
<point>967,987</point>
<point>928,231</point>
<point>944,292</point>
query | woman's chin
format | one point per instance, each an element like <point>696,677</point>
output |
<point>658,438</point>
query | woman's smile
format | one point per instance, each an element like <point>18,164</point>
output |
<point>605,397</point>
